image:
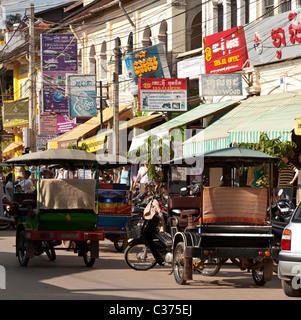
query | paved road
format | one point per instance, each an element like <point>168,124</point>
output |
<point>110,279</point>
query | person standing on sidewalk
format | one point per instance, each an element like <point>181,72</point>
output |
<point>287,176</point>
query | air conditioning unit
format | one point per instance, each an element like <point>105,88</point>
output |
<point>26,137</point>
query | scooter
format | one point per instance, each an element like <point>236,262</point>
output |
<point>151,238</point>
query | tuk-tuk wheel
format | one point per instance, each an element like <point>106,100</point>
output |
<point>89,261</point>
<point>121,244</point>
<point>179,263</point>
<point>258,277</point>
<point>21,249</point>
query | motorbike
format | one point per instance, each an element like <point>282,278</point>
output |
<point>7,220</point>
<point>150,238</point>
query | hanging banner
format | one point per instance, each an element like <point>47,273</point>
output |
<point>162,94</point>
<point>82,95</point>
<point>225,51</point>
<point>146,63</point>
<point>58,57</point>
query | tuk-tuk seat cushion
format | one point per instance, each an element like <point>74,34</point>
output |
<point>243,205</point>
<point>71,194</point>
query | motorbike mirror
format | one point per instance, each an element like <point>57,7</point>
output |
<point>280,192</point>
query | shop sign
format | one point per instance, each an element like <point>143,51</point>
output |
<point>220,85</point>
<point>147,63</point>
<point>42,140</point>
<point>298,126</point>
<point>82,95</point>
<point>162,94</point>
<point>94,144</point>
<point>58,57</point>
<point>275,38</point>
<point>15,110</point>
<point>225,51</point>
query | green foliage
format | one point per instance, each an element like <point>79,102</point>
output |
<point>12,19</point>
<point>154,151</point>
<point>83,147</point>
<point>272,147</point>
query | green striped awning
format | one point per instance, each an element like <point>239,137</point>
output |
<point>273,114</point>
<point>202,111</point>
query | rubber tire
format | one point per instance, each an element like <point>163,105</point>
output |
<point>21,249</point>
<point>49,250</point>
<point>89,262</point>
<point>208,272</point>
<point>289,290</point>
<point>133,244</point>
<point>258,278</point>
<point>121,244</point>
<point>178,266</point>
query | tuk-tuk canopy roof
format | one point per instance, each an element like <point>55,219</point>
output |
<point>227,156</point>
<point>67,157</point>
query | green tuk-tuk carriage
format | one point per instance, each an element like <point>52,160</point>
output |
<point>59,210</point>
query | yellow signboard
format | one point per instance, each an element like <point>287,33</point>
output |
<point>298,126</point>
<point>94,144</point>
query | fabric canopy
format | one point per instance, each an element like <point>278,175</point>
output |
<point>13,147</point>
<point>273,114</point>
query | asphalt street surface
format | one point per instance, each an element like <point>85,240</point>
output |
<point>67,278</point>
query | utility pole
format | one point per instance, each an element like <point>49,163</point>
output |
<point>116,99</point>
<point>32,82</point>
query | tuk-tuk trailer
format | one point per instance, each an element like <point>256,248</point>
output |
<point>234,223</point>
<point>60,210</point>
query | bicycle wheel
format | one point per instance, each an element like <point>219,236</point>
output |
<point>210,270</point>
<point>138,256</point>
<point>179,263</point>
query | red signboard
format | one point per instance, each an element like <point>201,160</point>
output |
<point>162,94</point>
<point>225,51</point>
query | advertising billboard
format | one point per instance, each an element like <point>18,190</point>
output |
<point>274,38</point>
<point>225,51</point>
<point>58,57</point>
<point>147,63</point>
<point>82,95</point>
<point>162,94</point>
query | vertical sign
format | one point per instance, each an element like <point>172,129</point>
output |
<point>58,57</point>
<point>82,95</point>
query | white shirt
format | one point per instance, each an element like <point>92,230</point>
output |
<point>26,184</point>
<point>143,175</point>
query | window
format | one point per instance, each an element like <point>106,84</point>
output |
<point>268,8</point>
<point>220,17</point>
<point>130,47</point>
<point>103,61</point>
<point>247,11</point>
<point>233,13</point>
<point>285,5</point>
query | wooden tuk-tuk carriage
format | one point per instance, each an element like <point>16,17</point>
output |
<point>59,210</point>
<point>234,222</point>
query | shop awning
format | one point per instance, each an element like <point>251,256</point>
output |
<point>202,111</point>
<point>273,114</point>
<point>96,142</point>
<point>13,147</point>
<point>87,127</point>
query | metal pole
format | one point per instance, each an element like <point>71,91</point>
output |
<point>32,81</point>
<point>101,106</point>
<point>116,99</point>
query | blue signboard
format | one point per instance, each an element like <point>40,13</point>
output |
<point>82,95</point>
<point>147,63</point>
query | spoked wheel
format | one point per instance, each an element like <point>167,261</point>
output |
<point>21,249</point>
<point>179,263</point>
<point>4,225</point>
<point>138,256</point>
<point>258,277</point>
<point>210,270</point>
<point>89,261</point>
<point>48,248</point>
